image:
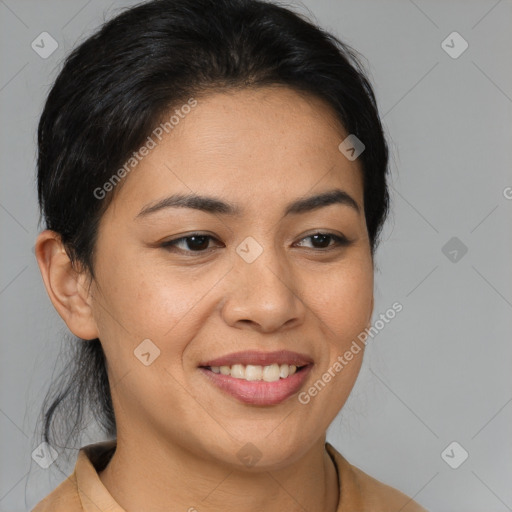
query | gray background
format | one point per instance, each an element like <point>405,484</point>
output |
<point>440,371</point>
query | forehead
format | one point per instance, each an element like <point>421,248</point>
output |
<point>252,146</point>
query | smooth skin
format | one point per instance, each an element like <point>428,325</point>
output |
<point>177,434</point>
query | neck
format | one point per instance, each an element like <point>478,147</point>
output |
<point>140,478</point>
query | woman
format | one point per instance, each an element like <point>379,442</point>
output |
<point>212,175</point>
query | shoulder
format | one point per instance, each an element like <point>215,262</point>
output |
<point>360,492</point>
<point>63,498</point>
<point>83,490</point>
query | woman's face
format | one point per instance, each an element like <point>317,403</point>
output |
<point>255,281</point>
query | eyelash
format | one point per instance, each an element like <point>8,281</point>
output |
<point>340,241</point>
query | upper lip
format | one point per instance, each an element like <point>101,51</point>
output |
<point>259,358</point>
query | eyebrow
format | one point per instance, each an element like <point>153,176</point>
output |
<point>215,205</point>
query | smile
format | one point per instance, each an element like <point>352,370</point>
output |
<point>270,373</point>
<point>258,378</point>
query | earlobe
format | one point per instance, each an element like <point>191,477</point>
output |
<point>65,286</point>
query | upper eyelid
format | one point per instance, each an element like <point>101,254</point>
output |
<point>191,235</point>
<point>175,241</point>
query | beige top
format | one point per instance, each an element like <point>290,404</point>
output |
<point>84,491</point>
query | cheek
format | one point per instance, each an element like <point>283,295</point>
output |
<point>342,299</point>
<point>165,304</point>
<point>143,299</point>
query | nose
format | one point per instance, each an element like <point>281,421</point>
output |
<point>263,295</point>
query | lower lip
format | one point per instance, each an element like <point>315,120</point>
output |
<point>259,392</point>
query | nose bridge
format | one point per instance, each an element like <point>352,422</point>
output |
<point>263,266</point>
<point>262,290</point>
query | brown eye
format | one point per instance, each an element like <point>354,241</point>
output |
<point>195,242</point>
<point>322,240</point>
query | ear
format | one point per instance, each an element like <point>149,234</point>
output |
<point>66,287</point>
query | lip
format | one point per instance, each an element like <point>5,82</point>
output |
<point>259,358</point>
<point>258,392</point>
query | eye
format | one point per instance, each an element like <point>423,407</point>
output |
<point>323,239</point>
<point>196,242</point>
<point>199,243</point>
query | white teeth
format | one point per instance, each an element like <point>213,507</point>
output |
<point>238,371</point>
<point>251,372</point>
<point>271,373</point>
